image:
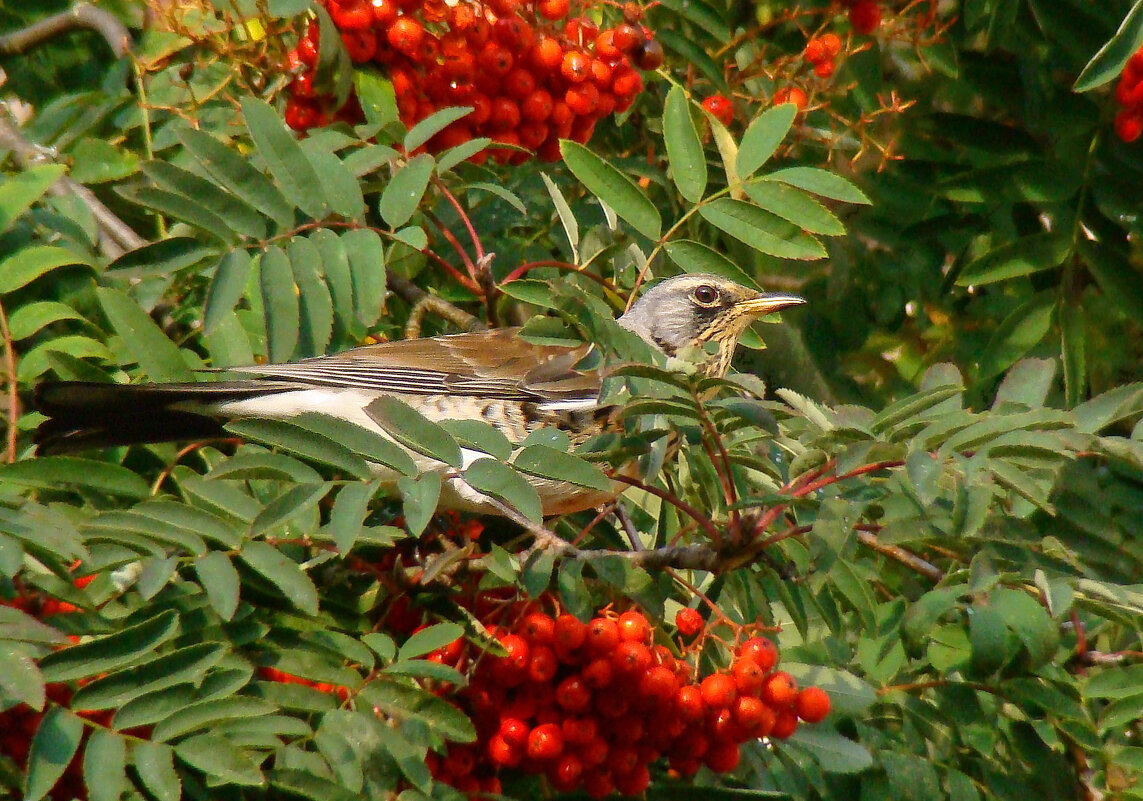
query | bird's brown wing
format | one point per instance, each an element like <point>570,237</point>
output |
<point>493,364</point>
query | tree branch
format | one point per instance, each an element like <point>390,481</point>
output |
<point>79,16</point>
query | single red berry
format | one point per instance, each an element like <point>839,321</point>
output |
<point>576,67</point>
<point>532,134</point>
<point>579,731</point>
<point>600,73</point>
<point>865,17</point>
<point>761,651</point>
<point>780,690</point>
<point>748,676</point>
<point>689,622</point>
<point>659,685</point>
<point>753,716</point>
<point>690,704</point>
<point>565,772</point>
<point>719,107</point>
<point>553,9</point>
<point>825,69</point>
<point>543,664</point>
<point>832,44</point>
<point>718,690</point>
<point>722,757</point>
<point>573,694</point>
<point>602,633</point>
<point>546,55</point>
<point>501,753</point>
<point>351,15</point>
<point>633,626</point>
<point>537,106</point>
<point>815,51</point>
<point>631,658</point>
<point>514,731</point>
<point>518,84</point>
<point>406,35</point>
<point>626,37</point>
<point>506,116</point>
<point>570,632</point>
<point>360,44</point>
<point>546,741</point>
<point>605,45</point>
<point>513,33</point>
<point>634,781</point>
<point>495,59</point>
<point>582,98</point>
<point>812,704</point>
<point>791,94</point>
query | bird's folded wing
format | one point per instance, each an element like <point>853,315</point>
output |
<point>493,364</point>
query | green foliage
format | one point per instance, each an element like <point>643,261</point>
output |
<point>952,549</point>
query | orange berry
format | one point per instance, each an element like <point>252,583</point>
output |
<point>689,622</point>
<point>780,689</point>
<point>576,67</point>
<point>812,704</point>
<point>832,44</point>
<point>582,98</point>
<point>553,9</point>
<point>719,107</point>
<point>406,35</point>
<point>718,690</point>
<point>825,69</point>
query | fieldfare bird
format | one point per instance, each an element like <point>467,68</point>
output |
<point>493,376</point>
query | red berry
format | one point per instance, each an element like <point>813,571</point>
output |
<point>360,44</point>
<point>579,731</point>
<point>582,98</point>
<point>553,9</point>
<point>865,17</point>
<point>690,704</point>
<point>565,773</point>
<point>761,651</point>
<point>537,628</point>
<point>718,690</point>
<point>576,67</point>
<point>605,45</point>
<point>791,94</point>
<point>537,106</point>
<point>495,59</point>
<point>406,35</point>
<point>633,626</point>
<point>602,633</point>
<point>351,15</point>
<point>631,658</point>
<point>659,685</point>
<point>719,107</point>
<point>689,622</point>
<point>633,782</point>
<point>514,731</point>
<point>547,55</point>
<point>598,672</point>
<point>546,741</point>
<point>825,69</point>
<point>1129,125</point>
<point>722,757</point>
<point>780,690</point>
<point>832,44</point>
<point>513,33</point>
<point>543,665</point>
<point>573,694</point>
<point>753,716</point>
<point>598,784</point>
<point>506,116</point>
<point>570,632</point>
<point>532,134</point>
<point>627,37</point>
<point>815,51</point>
<point>748,676</point>
<point>812,704</point>
<point>384,13</point>
<point>501,753</point>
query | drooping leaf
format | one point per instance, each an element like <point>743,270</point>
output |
<point>415,431</point>
<point>292,172</point>
<point>280,302</point>
<point>20,191</point>
<point>405,189</point>
<point>761,230</point>
<point>156,354</point>
<point>762,138</point>
<point>684,148</point>
<point>110,652</point>
<point>1106,65</point>
<point>53,746</point>
<point>506,485</point>
<point>286,574</point>
<point>30,263</point>
<point>218,577</point>
<point>613,188</point>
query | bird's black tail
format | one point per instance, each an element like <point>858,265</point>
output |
<point>85,415</point>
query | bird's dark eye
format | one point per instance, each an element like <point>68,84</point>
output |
<point>705,294</point>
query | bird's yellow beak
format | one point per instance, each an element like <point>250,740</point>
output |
<point>767,303</point>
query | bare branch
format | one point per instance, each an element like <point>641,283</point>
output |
<point>79,16</point>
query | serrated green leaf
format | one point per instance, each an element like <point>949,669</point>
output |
<point>49,472</point>
<point>695,257</point>
<point>761,230</point>
<point>188,664</point>
<point>296,439</point>
<point>762,137</point>
<point>112,651</point>
<point>20,191</point>
<point>478,435</point>
<point>419,497</point>
<point>366,257</point>
<point>295,501</point>
<point>834,752</point>
<point>218,577</point>
<point>614,188</point>
<point>105,766</point>
<point>30,318</point>
<point>350,508</point>
<point>685,155</point>
<point>540,460</point>
<point>1020,331</point>
<point>403,194</point>
<point>29,263</point>
<point>820,182</point>
<point>280,303</point>
<point>567,217</point>
<point>226,288</point>
<point>314,301</point>
<point>430,639</point>
<point>415,431</point>
<point>53,746</point>
<point>292,172</point>
<point>20,678</point>
<point>363,442</point>
<point>181,207</point>
<point>1027,255</point>
<point>163,257</point>
<point>796,206</point>
<point>284,573</point>
<point>406,702</point>
<point>217,757</point>
<point>240,217</point>
<point>156,354</point>
<point>203,714</point>
<point>433,124</point>
<point>155,764</point>
<point>501,482</point>
<point>234,172</point>
<point>340,189</point>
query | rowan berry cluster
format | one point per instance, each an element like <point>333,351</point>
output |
<point>593,705</point>
<point>1129,94</point>
<point>531,73</point>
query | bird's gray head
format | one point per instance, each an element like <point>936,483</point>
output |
<point>696,308</point>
